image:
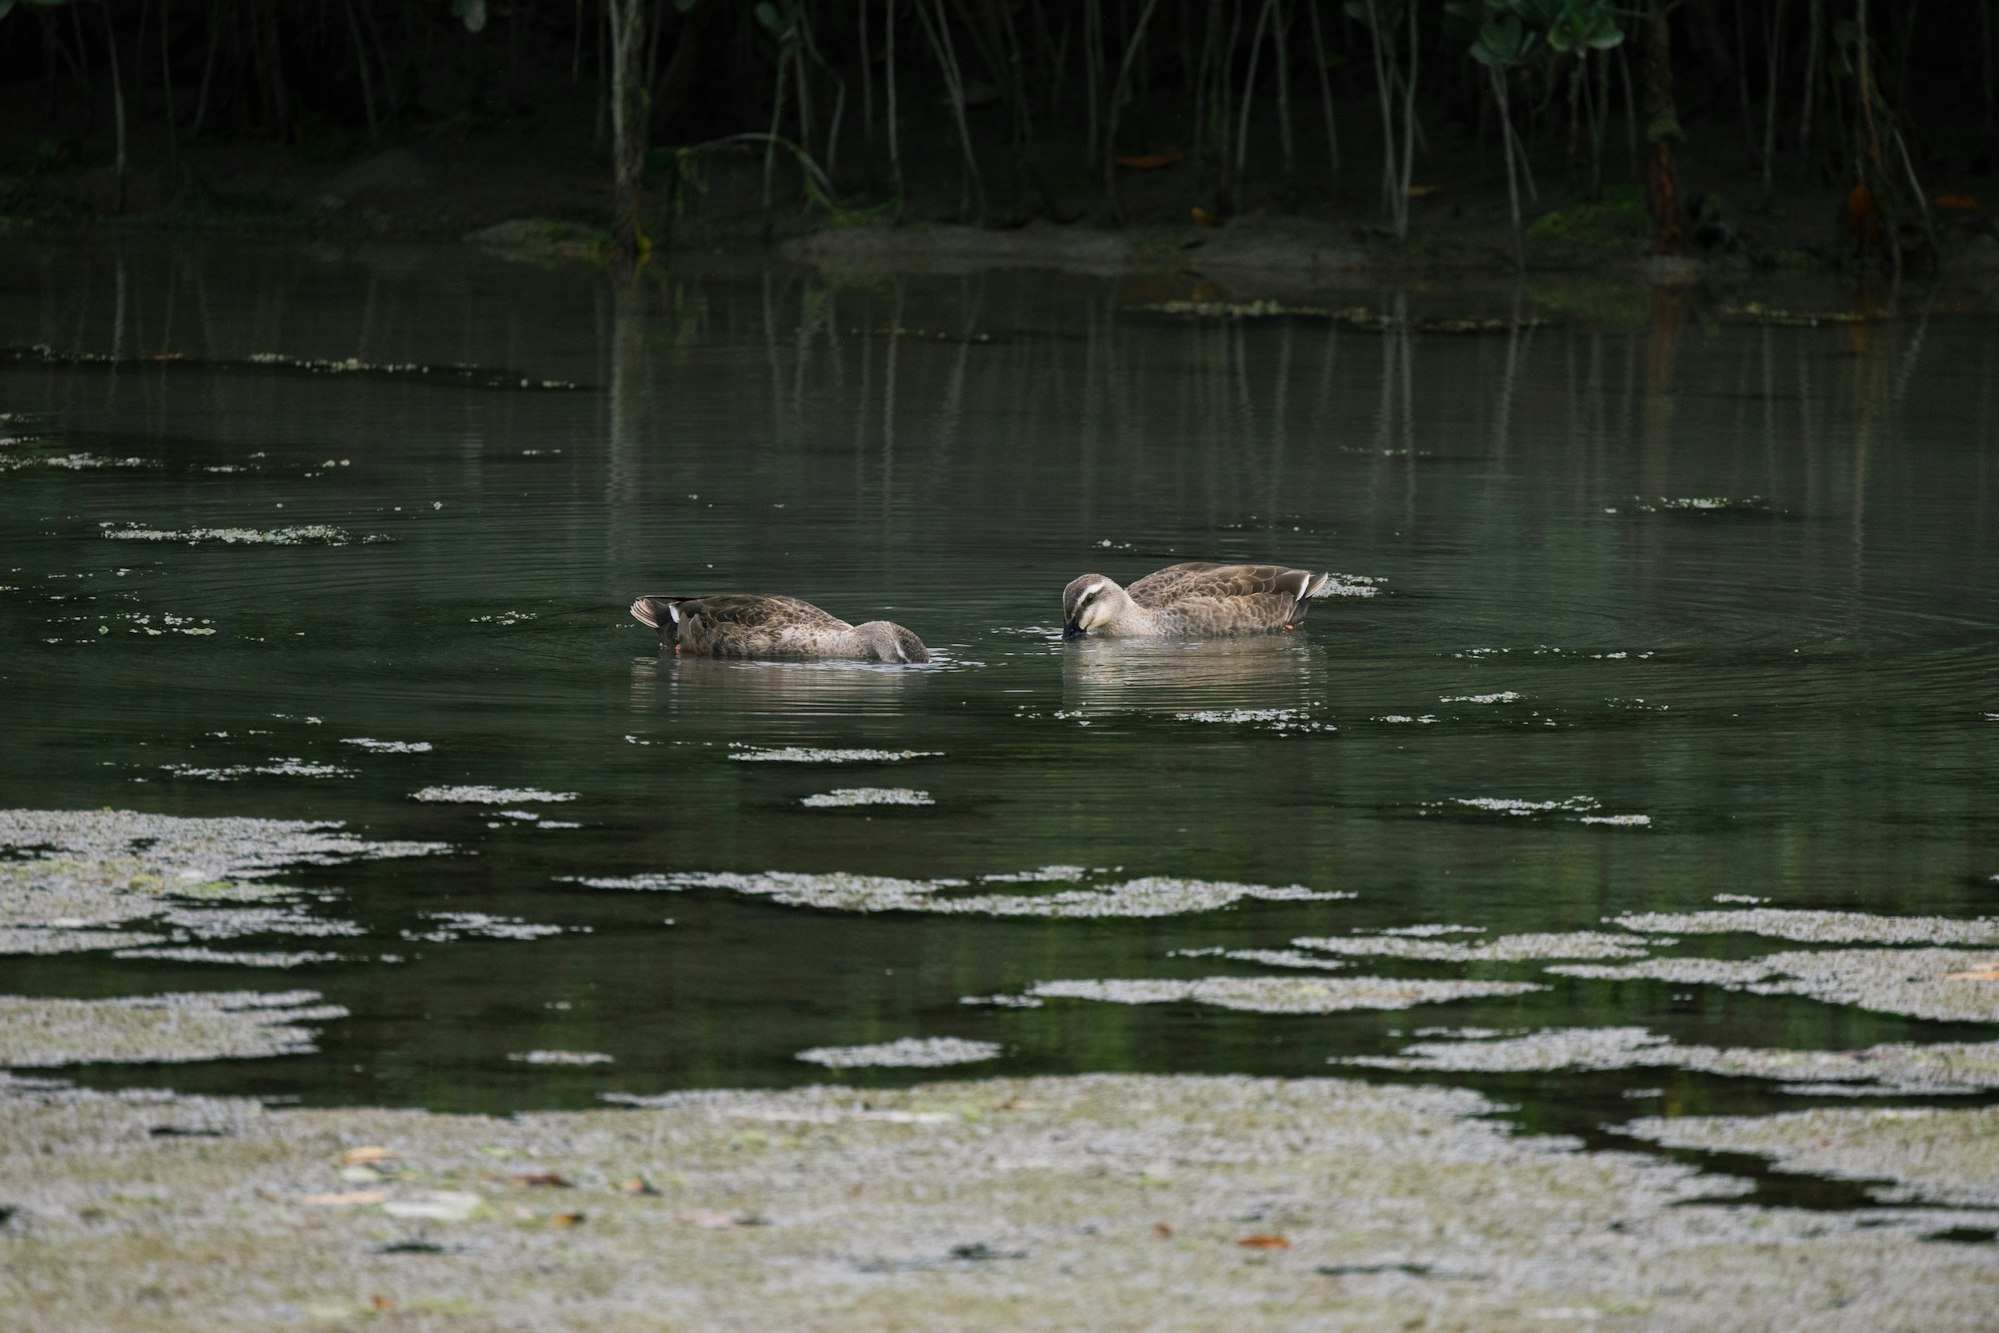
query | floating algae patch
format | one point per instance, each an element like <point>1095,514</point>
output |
<point>1902,1067</point>
<point>1273,719</point>
<point>310,534</point>
<point>387,747</point>
<point>812,754</point>
<point>1505,949</point>
<point>1929,1154</point>
<point>172,1028</point>
<point>841,798</point>
<point>1815,927</point>
<point>1953,985</point>
<point>276,768</point>
<point>1281,995</point>
<point>448,926</point>
<point>237,957</point>
<point>908,1052</point>
<point>489,795</point>
<point>80,874</point>
<point>1268,957</point>
<point>1146,897</point>
<point>1383,1204</point>
<point>48,939</point>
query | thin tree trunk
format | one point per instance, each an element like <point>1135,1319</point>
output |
<point>1280,37</point>
<point>117,107</point>
<point>367,81</point>
<point>1325,93</point>
<point>1771,70</point>
<point>207,72</point>
<point>1117,100</point>
<point>167,84</point>
<point>939,34</point>
<point>1662,128</point>
<point>1408,129</point>
<point>1815,36</point>
<point>1512,177</point>
<point>894,134</point>
<point>1389,201</point>
<point>1249,85</point>
<point>628,125</point>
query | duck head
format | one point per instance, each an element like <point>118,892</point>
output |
<point>1090,601</point>
<point>887,641</point>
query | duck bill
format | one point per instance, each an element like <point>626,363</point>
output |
<point>1072,630</point>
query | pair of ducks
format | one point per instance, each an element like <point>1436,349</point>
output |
<point>1181,601</point>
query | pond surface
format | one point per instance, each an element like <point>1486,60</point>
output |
<point>1669,601</point>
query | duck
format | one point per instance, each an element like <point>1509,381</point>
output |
<point>773,627</point>
<point>1196,600</point>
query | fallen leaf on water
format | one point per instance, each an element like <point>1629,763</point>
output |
<point>1264,1243</point>
<point>1147,161</point>
<point>709,1220</point>
<point>382,1303</point>
<point>362,1156</point>
<point>637,1185</point>
<point>565,1219</point>
<point>1161,1230</point>
<point>541,1179</point>
<point>345,1198</point>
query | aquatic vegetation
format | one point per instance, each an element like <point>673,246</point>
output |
<point>1929,1154</point>
<point>1268,957</point>
<point>489,795</point>
<point>80,874</point>
<point>841,798</point>
<point>907,1052</point>
<point>1504,949</point>
<point>809,754</point>
<point>235,957</point>
<point>1273,719</point>
<point>1921,983</point>
<point>1282,995</point>
<point>322,534</point>
<point>560,1057</point>
<point>1816,927</point>
<point>1948,1067</point>
<point>1147,897</point>
<point>1382,1195</point>
<point>277,768</point>
<point>153,1029</point>
<point>466,925</point>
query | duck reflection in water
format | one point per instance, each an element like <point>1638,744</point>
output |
<point>1179,675</point>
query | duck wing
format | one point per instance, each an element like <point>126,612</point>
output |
<point>1238,596</point>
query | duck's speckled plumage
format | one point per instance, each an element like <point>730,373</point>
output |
<point>1195,600</point>
<point>773,627</point>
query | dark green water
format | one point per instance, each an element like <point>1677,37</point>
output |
<point>1797,689</point>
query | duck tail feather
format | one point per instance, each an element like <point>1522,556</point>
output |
<point>654,611</point>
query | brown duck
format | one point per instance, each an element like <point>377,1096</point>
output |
<point>1194,601</point>
<point>764,625</point>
